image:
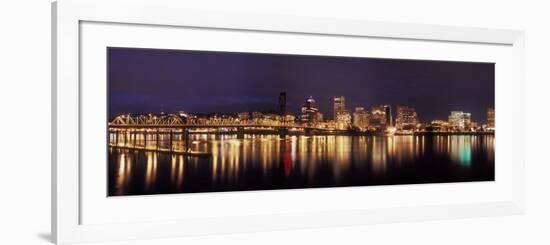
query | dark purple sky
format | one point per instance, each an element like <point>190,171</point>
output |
<point>148,80</point>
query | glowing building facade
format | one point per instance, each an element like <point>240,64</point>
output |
<point>378,118</point>
<point>459,120</point>
<point>439,126</point>
<point>343,120</point>
<point>339,105</point>
<point>310,112</point>
<point>406,118</point>
<point>361,119</point>
<point>491,118</point>
<point>243,116</point>
<point>342,116</point>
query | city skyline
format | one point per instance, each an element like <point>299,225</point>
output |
<point>376,119</point>
<point>135,90</point>
<point>401,115</point>
<point>201,121</point>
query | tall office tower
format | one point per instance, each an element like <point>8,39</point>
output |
<point>467,120</point>
<point>387,111</point>
<point>406,117</point>
<point>339,105</point>
<point>378,118</point>
<point>310,112</point>
<point>361,118</point>
<point>491,118</point>
<point>282,102</point>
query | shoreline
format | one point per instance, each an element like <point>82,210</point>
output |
<point>345,133</point>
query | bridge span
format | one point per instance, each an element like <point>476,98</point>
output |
<point>170,132</point>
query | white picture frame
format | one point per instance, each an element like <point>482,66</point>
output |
<point>67,17</point>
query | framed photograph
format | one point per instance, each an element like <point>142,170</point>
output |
<point>172,122</point>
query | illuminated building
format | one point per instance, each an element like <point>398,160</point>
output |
<point>387,111</point>
<point>330,124</point>
<point>439,126</point>
<point>182,113</point>
<point>310,112</point>
<point>257,116</point>
<point>491,118</point>
<point>378,118</point>
<point>455,119</point>
<point>282,102</point>
<point>320,117</point>
<point>271,116</point>
<point>288,118</point>
<point>460,120</point>
<point>342,116</point>
<point>421,127</point>
<point>343,119</point>
<point>361,118</point>
<point>243,116</point>
<point>339,105</point>
<point>468,120</point>
<point>406,118</point>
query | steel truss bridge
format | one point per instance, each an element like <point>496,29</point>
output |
<point>177,121</point>
<point>170,132</point>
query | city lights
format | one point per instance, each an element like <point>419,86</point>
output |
<point>190,121</point>
<point>376,120</point>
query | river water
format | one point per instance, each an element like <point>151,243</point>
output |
<point>263,162</point>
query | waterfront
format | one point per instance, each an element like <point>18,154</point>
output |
<point>262,162</point>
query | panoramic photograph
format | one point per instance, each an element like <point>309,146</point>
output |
<point>183,121</point>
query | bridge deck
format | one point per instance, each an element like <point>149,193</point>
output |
<point>187,153</point>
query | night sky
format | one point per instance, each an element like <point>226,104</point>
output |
<point>153,80</point>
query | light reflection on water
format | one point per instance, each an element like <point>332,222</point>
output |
<point>273,162</point>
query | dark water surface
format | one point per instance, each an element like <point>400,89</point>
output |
<point>261,162</point>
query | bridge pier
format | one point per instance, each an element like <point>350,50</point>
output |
<point>128,139</point>
<point>157,145</point>
<point>134,138</point>
<point>171,146</point>
<point>145,134</point>
<point>124,137</point>
<point>240,132</point>
<point>282,132</point>
<point>115,138</point>
<point>185,138</point>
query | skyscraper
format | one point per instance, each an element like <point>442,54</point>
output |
<point>339,105</point>
<point>361,118</point>
<point>310,112</point>
<point>342,116</point>
<point>387,111</point>
<point>491,118</point>
<point>406,117</point>
<point>282,102</point>
<point>378,118</point>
